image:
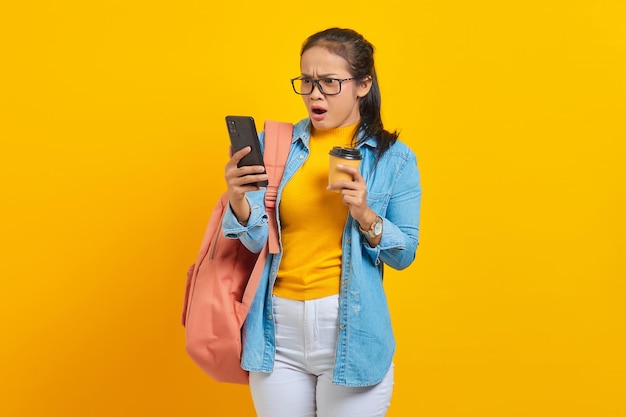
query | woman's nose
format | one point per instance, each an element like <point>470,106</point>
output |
<point>317,91</point>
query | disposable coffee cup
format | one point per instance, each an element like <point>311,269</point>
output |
<point>342,156</point>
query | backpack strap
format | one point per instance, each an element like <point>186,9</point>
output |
<point>277,145</point>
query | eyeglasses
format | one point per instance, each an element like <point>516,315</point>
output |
<point>327,86</point>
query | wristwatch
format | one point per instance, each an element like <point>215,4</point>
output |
<point>375,229</point>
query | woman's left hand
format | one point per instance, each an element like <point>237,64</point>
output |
<point>354,195</point>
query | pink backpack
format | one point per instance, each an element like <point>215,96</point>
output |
<point>222,283</point>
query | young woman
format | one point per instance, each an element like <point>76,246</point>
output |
<point>318,339</point>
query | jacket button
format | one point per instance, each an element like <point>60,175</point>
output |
<point>342,326</point>
<point>270,317</point>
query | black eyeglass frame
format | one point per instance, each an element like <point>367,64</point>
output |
<point>319,86</point>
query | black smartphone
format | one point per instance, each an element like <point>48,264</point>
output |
<point>242,133</point>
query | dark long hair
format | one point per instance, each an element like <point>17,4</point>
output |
<point>359,54</point>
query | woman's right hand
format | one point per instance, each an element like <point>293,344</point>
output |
<point>238,181</point>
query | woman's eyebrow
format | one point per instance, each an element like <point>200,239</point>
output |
<point>320,75</point>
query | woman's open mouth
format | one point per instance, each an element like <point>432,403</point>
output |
<point>317,113</point>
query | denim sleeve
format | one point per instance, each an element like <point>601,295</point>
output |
<point>399,241</point>
<point>254,234</point>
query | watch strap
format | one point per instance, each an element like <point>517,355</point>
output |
<point>371,232</point>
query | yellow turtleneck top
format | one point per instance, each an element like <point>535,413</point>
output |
<point>312,222</point>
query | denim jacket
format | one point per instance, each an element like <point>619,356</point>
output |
<point>365,344</point>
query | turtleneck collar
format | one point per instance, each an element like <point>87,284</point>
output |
<point>341,134</point>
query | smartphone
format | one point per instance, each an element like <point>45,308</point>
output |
<point>242,133</point>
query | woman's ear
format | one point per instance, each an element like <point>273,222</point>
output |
<point>364,86</point>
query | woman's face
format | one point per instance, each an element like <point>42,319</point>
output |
<point>329,112</point>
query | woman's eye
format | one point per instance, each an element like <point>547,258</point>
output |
<point>306,81</point>
<point>329,81</point>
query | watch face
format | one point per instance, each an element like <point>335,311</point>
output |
<point>378,227</point>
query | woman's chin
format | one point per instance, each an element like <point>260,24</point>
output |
<point>320,124</point>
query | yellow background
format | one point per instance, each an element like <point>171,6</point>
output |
<point>112,151</point>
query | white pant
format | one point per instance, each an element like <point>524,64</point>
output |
<point>301,382</point>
